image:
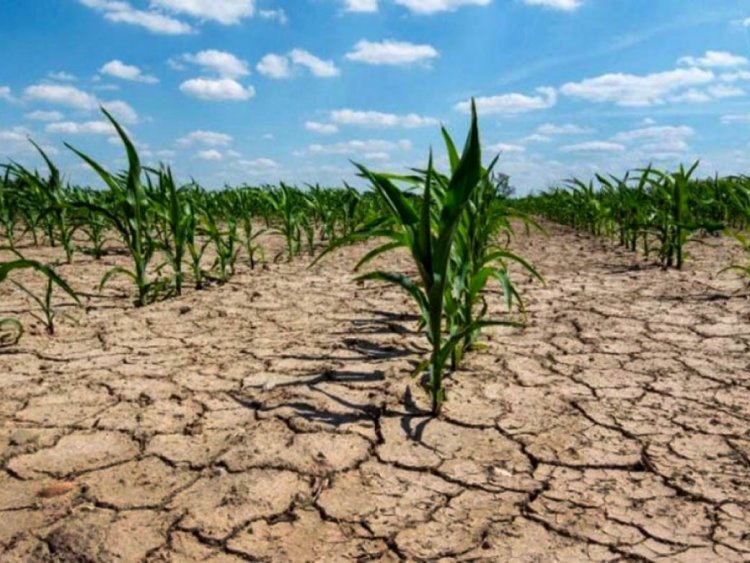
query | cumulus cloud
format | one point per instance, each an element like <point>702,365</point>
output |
<point>512,104</point>
<point>40,115</point>
<point>321,128</point>
<point>376,119</point>
<point>274,66</point>
<point>564,5</point>
<point>119,11</point>
<point>121,111</point>
<point>6,94</point>
<point>98,127</point>
<point>504,148</point>
<point>423,7</point>
<point>360,147</point>
<point>220,62</point>
<point>366,6</point>
<point>209,154</point>
<point>225,12</point>
<point>391,52</point>
<point>209,138</point>
<point>61,94</point>
<point>632,90</point>
<point>280,66</point>
<point>715,59</point>
<point>550,129</point>
<point>594,146</point>
<point>62,76</point>
<point>434,6</point>
<point>119,69</point>
<point>278,15</point>
<point>317,66</point>
<point>15,141</point>
<point>221,89</point>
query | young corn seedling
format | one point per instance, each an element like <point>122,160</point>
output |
<point>173,210</point>
<point>129,216</point>
<point>11,330</point>
<point>53,197</point>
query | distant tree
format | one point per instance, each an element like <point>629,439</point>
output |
<point>502,185</point>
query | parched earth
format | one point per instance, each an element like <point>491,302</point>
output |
<point>274,419</point>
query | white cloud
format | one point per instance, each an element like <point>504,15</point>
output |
<point>61,94</point>
<point>321,128</point>
<point>121,111</point>
<point>594,146</point>
<point>278,15</point>
<point>226,12</point>
<point>655,132</point>
<point>721,91</point>
<point>210,138</point>
<point>209,154</point>
<point>536,138</point>
<point>564,5</point>
<point>222,89</point>
<point>5,94</point>
<point>735,118</point>
<point>119,69</point>
<point>512,104</point>
<point>361,147</point>
<point>265,163</point>
<point>122,12</point>
<point>100,127</point>
<point>637,91</point>
<point>504,148</point>
<point>45,115</point>
<point>319,67</point>
<point>362,6</point>
<point>222,63</point>
<point>378,119</point>
<point>274,66</point>
<point>390,52</point>
<point>15,141</point>
<point>550,129</point>
<point>713,59</point>
<point>280,66</point>
<point>62,76</point>
<point>434,6</point>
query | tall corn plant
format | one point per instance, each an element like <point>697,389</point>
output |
<point>427,227</point>
<point>129,215</point>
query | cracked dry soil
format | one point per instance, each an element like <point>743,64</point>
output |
<point>274,419</point>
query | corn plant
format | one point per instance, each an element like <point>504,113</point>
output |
<point>225,241</point>
<point>11,330</point>
<point>428,227</point>
<point>128,214</point>
<point>54,212</point>
<point>289,205</point>
<point>172,209</point>
<point>742,269</point>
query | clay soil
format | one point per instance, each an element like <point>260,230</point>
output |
<point>274,419</point>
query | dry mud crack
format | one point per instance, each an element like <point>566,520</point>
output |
<point>274,419</point>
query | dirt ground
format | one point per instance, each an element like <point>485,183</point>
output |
<point>274,419</point>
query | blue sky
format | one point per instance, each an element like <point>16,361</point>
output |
<point>255,91</point>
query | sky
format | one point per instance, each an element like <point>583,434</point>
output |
<point>262,91</point>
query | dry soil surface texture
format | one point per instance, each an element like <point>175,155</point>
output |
<point>274,419</point>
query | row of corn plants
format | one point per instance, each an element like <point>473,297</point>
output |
<point>655,211</point>
<point>456,227</point>
<point>174,235</point>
